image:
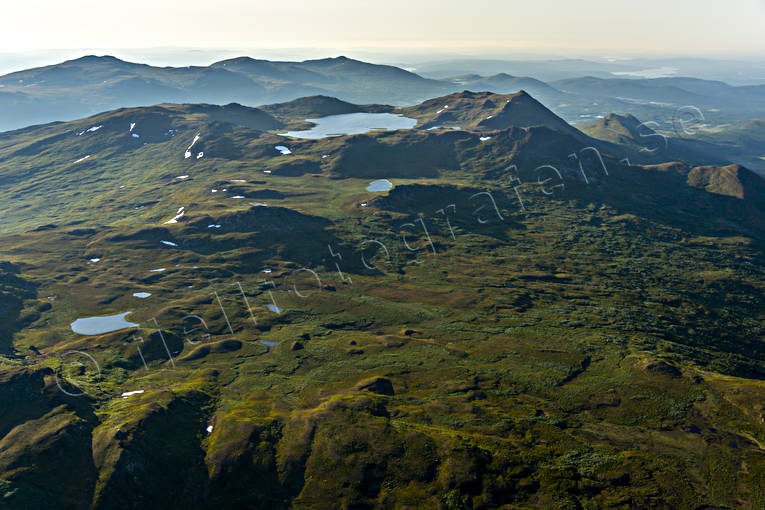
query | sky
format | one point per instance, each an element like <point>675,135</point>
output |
<point>474,27</point>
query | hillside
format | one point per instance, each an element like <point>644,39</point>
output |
<point>508,326</point>
<point>652,145</point>
<point>485,111</point>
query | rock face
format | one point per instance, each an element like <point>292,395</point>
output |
<point>379,385</point>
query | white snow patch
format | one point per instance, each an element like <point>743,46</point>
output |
<point>182,177</point>
<point>168,243</point>
<point>132,125</point>
<point>159,270</point>
<point>91,130</point>
<point>82,159</point>
<point>93,261</point>
<point>187,154</point>
<point>141,295</point>
<point>213,226</point>
<point>129,393</point>
<point>210,427</point>
<point>200,155</point>
<point>484,138</point>
<point>238,180</point>
<point>178,215</point>
<point>284,150</point>
<point>238,196</point>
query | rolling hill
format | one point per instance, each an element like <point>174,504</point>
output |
<point>525,319</point>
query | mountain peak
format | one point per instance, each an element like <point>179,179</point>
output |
<point>486,111</point>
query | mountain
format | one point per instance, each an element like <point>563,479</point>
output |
<point>91,84</point>
<point>198,312</point>
<point>626,130</point>
<point>503,83</point>
<point>677,91</point>
<point>486,111</point>
<point>319,106</point>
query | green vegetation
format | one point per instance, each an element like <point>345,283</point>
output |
<point>491,333</point>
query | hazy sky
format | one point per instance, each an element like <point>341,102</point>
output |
<point>608,27</point>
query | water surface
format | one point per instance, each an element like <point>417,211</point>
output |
<point>103,324</point>
<point>380,185</point>
<point>353,124</point>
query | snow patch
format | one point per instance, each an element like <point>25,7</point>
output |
<point>187,154</point>
<point>91,130</point>
<point>178,215</point>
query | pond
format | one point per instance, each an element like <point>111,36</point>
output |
<point>353,124</point>
<point>101,325</point>
<point>380,185</point>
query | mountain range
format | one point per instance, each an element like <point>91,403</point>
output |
<point>91,84</point>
